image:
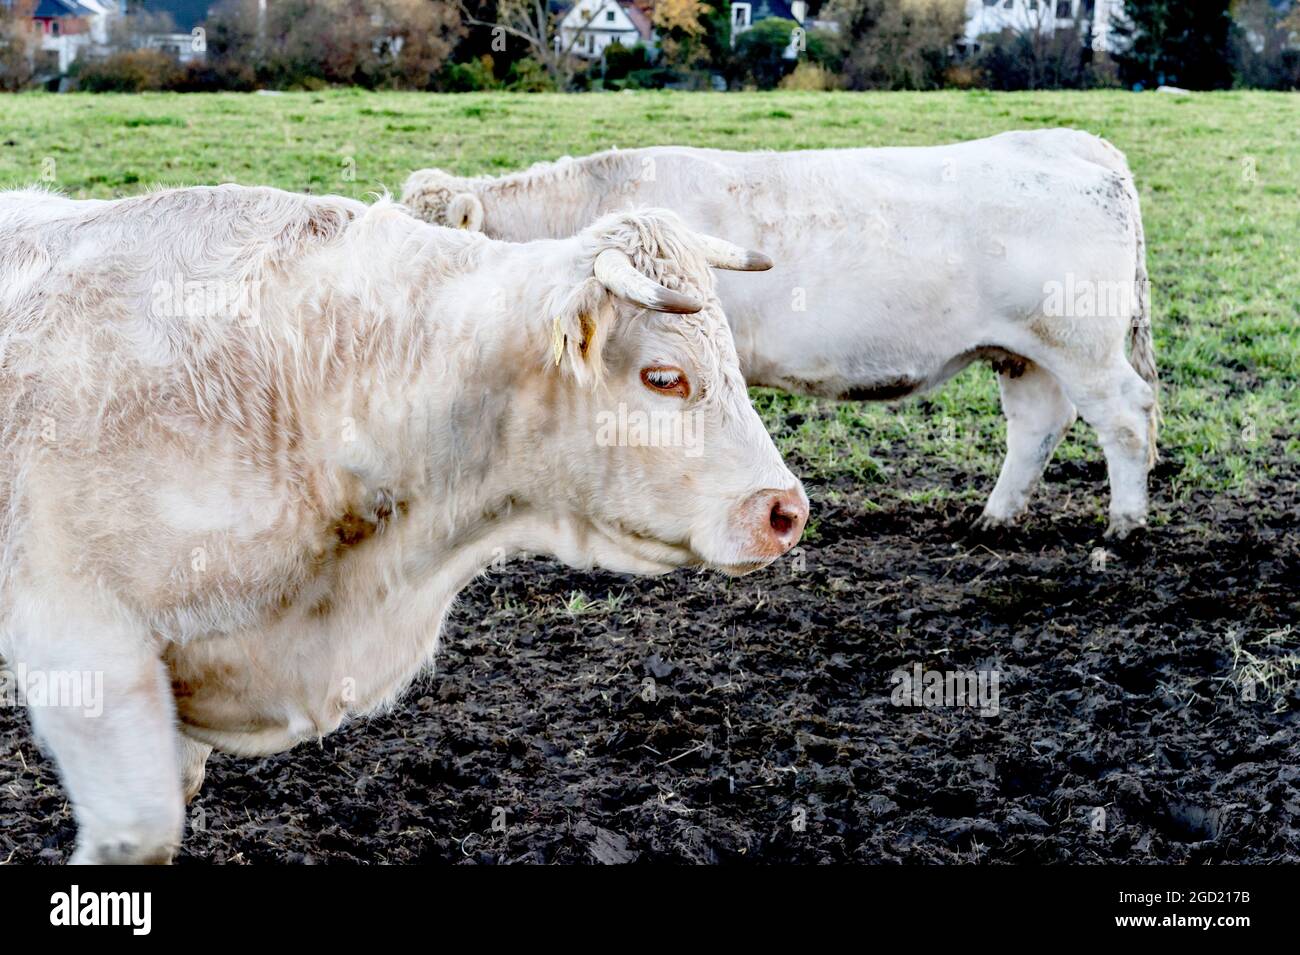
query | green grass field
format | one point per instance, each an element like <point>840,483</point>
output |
<point>1219,175</point>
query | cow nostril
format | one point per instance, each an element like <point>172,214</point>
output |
<point>782,521</point>
<point>773,520</point>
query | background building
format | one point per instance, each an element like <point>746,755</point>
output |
<point>590,26</point>
<point>984,17</point>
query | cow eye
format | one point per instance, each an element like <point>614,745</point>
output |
<point>666,380</point>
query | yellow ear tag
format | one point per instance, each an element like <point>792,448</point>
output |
<point>557,339</point>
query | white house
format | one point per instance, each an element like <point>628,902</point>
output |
<point>590,26</point>
<point>69,27</point>
<point>1046,16</point>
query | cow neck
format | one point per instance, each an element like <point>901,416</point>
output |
<point>448,435</point>
<point>536,205</point>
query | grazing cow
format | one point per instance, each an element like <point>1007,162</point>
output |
<point>256,442</point>
<point>898,268</point>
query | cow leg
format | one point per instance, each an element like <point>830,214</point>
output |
<point>1119,405</point>
<point>1038,415</point>
<point>117,757</point>
<point>194,765</point>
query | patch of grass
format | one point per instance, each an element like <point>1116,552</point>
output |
<point>1265,669</point>
<point>1219,175</point>
<point>578,604</point>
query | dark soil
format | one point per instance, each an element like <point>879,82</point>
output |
<point>1126,729</point>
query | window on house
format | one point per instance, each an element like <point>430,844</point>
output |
<point>1063,11</point>
<point>1009,4</point>
<point>54,27</point>
<point>990,3</point>
<point>740,14</point>
<point>609,15</point>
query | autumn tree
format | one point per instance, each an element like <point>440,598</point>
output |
<point>532,24</point>
<point>357,42</point>
<point>18,44</point>
<point>416,37</point>
<point>894,44</point>
<point>682,32</point>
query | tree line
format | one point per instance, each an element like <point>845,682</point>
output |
<point>517,45</point>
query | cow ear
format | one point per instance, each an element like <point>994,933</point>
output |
<point>465,211</point>
<point>579,328</point>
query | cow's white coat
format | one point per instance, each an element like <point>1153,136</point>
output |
<point>252,521</point>
<point>895,268</point>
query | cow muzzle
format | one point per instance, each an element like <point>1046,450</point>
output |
<point>772,521</point>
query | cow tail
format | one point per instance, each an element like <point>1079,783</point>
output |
<point>1142,355</point>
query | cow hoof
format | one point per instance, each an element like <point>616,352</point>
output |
<point>1123,525</point>
<point>194,766</point>
<point>125,851</point>
<point>193,784</point>
<point>993,522</point>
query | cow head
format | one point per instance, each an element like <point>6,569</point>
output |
<point>443,199</point>
<point>650,442</point>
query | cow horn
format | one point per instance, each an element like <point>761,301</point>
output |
<point>721,254</point>
<point>617,273</point>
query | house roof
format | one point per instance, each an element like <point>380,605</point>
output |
<point>638,17</point>
<point>634,10</point>
<point>53,9</point>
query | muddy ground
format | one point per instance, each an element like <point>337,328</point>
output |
<point>1147,707</point>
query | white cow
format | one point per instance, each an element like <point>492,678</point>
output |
<point>898,268</point>
<point>256,442</point>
